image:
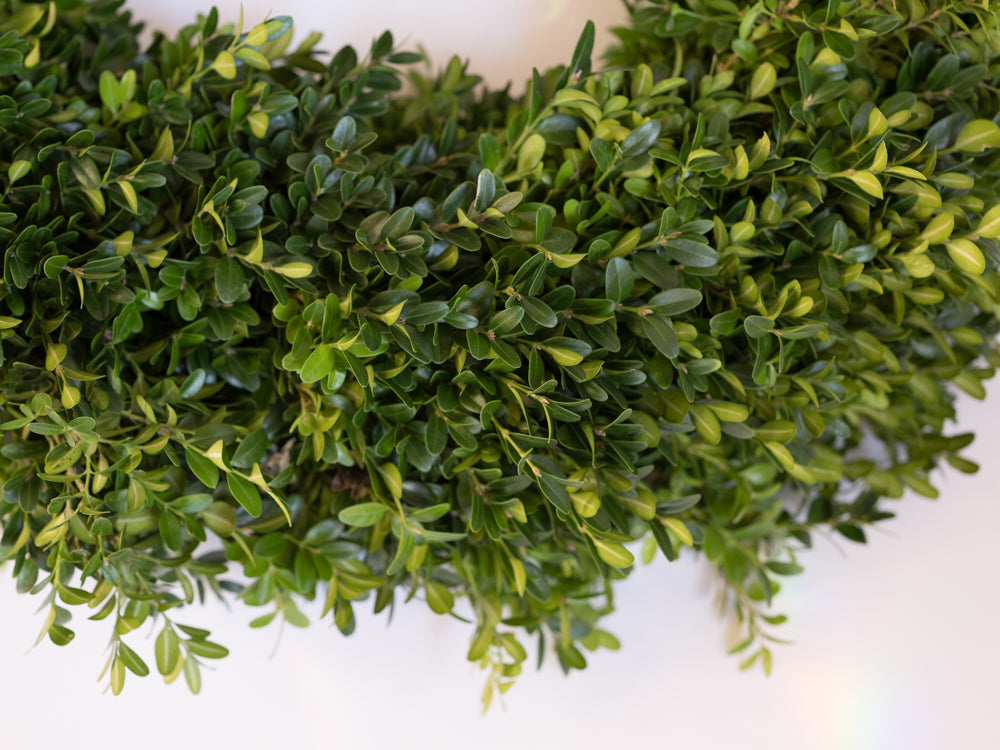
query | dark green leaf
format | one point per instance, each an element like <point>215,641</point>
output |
<point>245,492</point>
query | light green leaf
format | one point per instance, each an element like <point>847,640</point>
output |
<point>977,136</point>
<point>192,675</point>
<point>967,256</point>
<point>938,229</point>
<point>168,651</point>
<point>763,80</point>
<point>319,364</point>
<point>613,553</point>
<point>989,225</point>
<point>439,598</point>
<point>362,515</point>
<point>393,480</point>
<point>225,65</point>
<point>866,181</point>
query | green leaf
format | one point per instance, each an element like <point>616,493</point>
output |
<point>555,492</point>
<point>691,253</point>
<point>539,312</point>
<point>220,518</point>
<point>251,449</point>
<point>706,424</point>
<point>107,86</point>
<point>229,279</point>
<point>203,468</point>
<point>757,326</point>
<point>728,412</point>
<point>319,364</point>
<point>406,544</point>
<point>566,352</point>
<point>245,492</point>
<point>675,301</point>
<point>776,431</point>
<point>579,65</point>
<point>207,649</point>
<point>640,140</point>
<point>618,279</point>
<point>117,676</point>
<point>660,332</point>
<point>362,514</point>
<point>436,436</point>
<point>131,660</point>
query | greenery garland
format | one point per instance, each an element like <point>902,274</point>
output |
<point>367,341</point>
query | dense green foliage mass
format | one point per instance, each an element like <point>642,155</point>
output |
<point>268,310</point>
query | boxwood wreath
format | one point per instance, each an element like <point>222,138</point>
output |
<point>361,332</point>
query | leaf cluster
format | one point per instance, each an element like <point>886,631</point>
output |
<point>267,311</point>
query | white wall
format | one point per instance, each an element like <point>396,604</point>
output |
<point>895,644</point>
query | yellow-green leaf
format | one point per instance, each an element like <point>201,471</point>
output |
<point>214,454</point>
<point>54,354</point>
<point>520,575</point>
<point>586,503</point>
<point>877,124</point>
<point>258,123</point>
<point>168,651</point>
<point>866,181</point>
<point>253,58</point>
<point>763,80</point>
<point>439,598</point>
<point>967,256</point>
<point>776,431</point>
<point>680,530</point>
<point>729,412</point>
<point>989,225</point>
<point>938,229</point>
<point>295,270</point>
<point>393,480</point>
<point>977,136</point>
<point>70,396</point>
<point>164,150</point>
<point>256,36</point>
<point>918,265</point>
<point>613,553</point>
<point>130,197</point>
<point>531,153</point>
<point>706,424</point>
<point>225,65</point>
<point>782,454</point>
<point>17,170</point>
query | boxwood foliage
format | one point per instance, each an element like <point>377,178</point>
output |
<point>272,312</point>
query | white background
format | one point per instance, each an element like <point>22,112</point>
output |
<point>895,642</point>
